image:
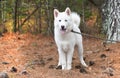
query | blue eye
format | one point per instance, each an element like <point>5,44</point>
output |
<point>59,20</point>
<point>65,20</point>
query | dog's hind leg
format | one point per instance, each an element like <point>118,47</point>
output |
<point>80,51</point>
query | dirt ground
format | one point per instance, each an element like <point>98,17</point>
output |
<point>35,56</point>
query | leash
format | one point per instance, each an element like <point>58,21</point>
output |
<point>94,36</point>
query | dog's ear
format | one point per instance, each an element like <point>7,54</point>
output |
<point>68,11</point>
<point>56,13</point>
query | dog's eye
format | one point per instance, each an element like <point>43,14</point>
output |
<point>59,20</point>
<point>65,20</point>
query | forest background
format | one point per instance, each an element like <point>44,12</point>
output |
<point>36,16</point>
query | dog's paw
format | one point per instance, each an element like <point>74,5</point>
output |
<point>64,67</point>
<point>68,67</point>
<point>84,64</point>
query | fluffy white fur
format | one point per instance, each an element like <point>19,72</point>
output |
<point>66,40</point>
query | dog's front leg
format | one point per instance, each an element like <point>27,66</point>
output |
<point>69,58</point>
<point>59,60</point>
<point>62,59</point>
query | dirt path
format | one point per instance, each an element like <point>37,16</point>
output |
<point>35,56</point>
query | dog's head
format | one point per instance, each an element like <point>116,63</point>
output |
<point>63,20</point>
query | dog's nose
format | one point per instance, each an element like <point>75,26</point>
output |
<point>62,27</point>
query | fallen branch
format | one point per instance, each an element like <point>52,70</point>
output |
<point>29,16</point>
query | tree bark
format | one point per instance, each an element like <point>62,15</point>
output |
<point>111,19</point>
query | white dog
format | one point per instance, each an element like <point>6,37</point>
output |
<point>66,40</point>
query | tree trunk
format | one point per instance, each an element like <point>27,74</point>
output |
<point>111,19</point>
<point>15,16</point>
<point>39,28</point>
<point>2,10</point>
<point>48,16</point>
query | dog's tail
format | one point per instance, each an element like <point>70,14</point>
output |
<point>75,18</point>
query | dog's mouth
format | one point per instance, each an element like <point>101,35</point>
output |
<point>63,31</point>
